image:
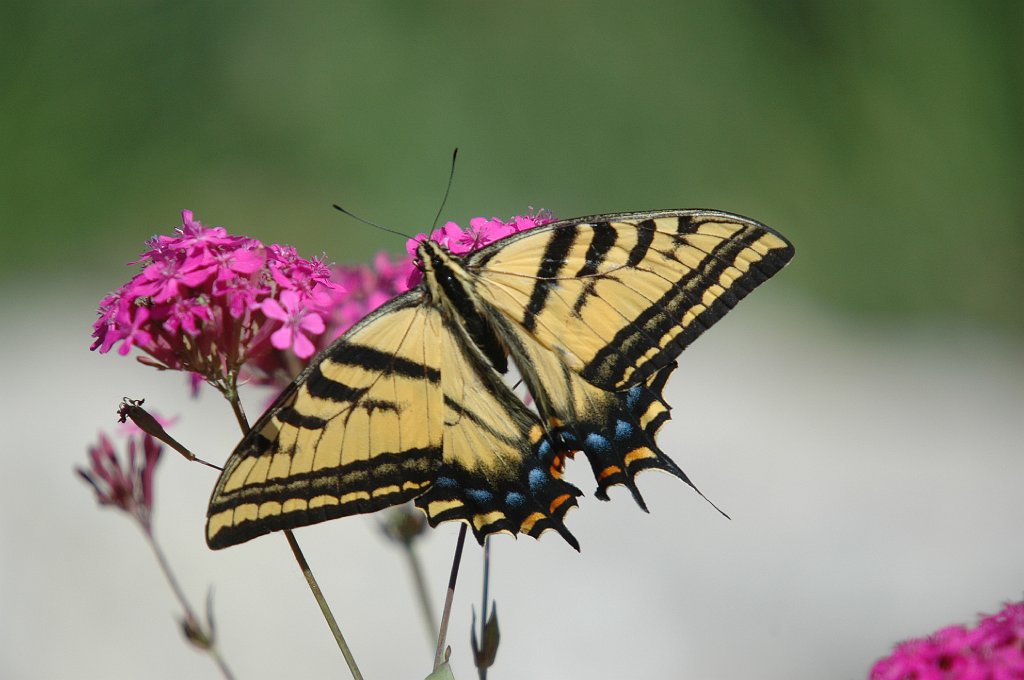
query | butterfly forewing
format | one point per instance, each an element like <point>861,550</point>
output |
<point>615,430</point>
<point>360,430</point>
<point>618,297</point>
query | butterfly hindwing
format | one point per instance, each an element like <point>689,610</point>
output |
<point>492,475</point>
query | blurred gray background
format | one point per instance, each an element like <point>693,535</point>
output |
<point>872,462</point>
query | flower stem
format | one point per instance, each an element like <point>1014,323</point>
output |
<point>421,586</point>
<point>307,573</point>
<point>324,608</point>
<point>190,617</point>
<point>446,613</point>
<point>236,407</point>
<point>482,670</point>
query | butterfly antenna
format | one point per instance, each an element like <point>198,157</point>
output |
<point>451,176</point>
<point>368,222</point>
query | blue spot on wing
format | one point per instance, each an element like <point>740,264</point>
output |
<point>544,449</point>
<point>623,429</point>
<point>446,482</point>
<point>479,495</point>
<point>633,397</point>
<point>537,479</point>
<point>597,442</point>
<point>514,499</point>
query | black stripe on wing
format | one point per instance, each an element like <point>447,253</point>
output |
<point>531,501</point>
<point>611,366</point>
<point>558,247</point>
<point>302,499</point>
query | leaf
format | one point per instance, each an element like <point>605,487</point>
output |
<point>443,672</point>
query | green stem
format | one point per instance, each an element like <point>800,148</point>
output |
<point>421,587</point>
<point>236,408</point>
<point>447,612</point>
<point>324,609</point>
<point>219,660</point>
<point>482,672</point>
<point>179,594</point>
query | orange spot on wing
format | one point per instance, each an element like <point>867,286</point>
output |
<point>558,463</point>
<point>559,502</point>
<point>609,471</point>
<point>527,525</point>
<point>557,466</point>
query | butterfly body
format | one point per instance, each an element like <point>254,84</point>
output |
<point>449,284</point>
<point>411,403</point>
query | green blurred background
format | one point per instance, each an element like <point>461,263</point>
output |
<point>884,138</point>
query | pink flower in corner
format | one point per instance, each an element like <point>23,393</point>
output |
<point>296,318</point>
<point>994,650</point>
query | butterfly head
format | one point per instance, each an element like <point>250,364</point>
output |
<point>441,269</point>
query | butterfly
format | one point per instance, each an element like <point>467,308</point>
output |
<point>414,402</point>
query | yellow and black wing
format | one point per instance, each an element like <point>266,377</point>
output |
<point>617,297</point>
<point>492,473</point>
<point>412,402</point>
<point>398,408</point>
<point>359,430</point>
<point>595,311</point>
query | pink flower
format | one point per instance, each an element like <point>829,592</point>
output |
<point>166,279</point>
<point>296,318</point>
<point>994,650</point>
<point>131,324</point>
<point>127,486</point>
<point>198,306</point>
<point>192,238</point>
<point>240,294</point>
<point>482,231</point>
<point>188,315</point>
<point>246,259</point>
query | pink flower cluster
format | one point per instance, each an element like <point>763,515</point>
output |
<point>367,287</point>
<point>127,486</point>
<point>994,650</point>
<point>224,306</point>
<point>209,302</point>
